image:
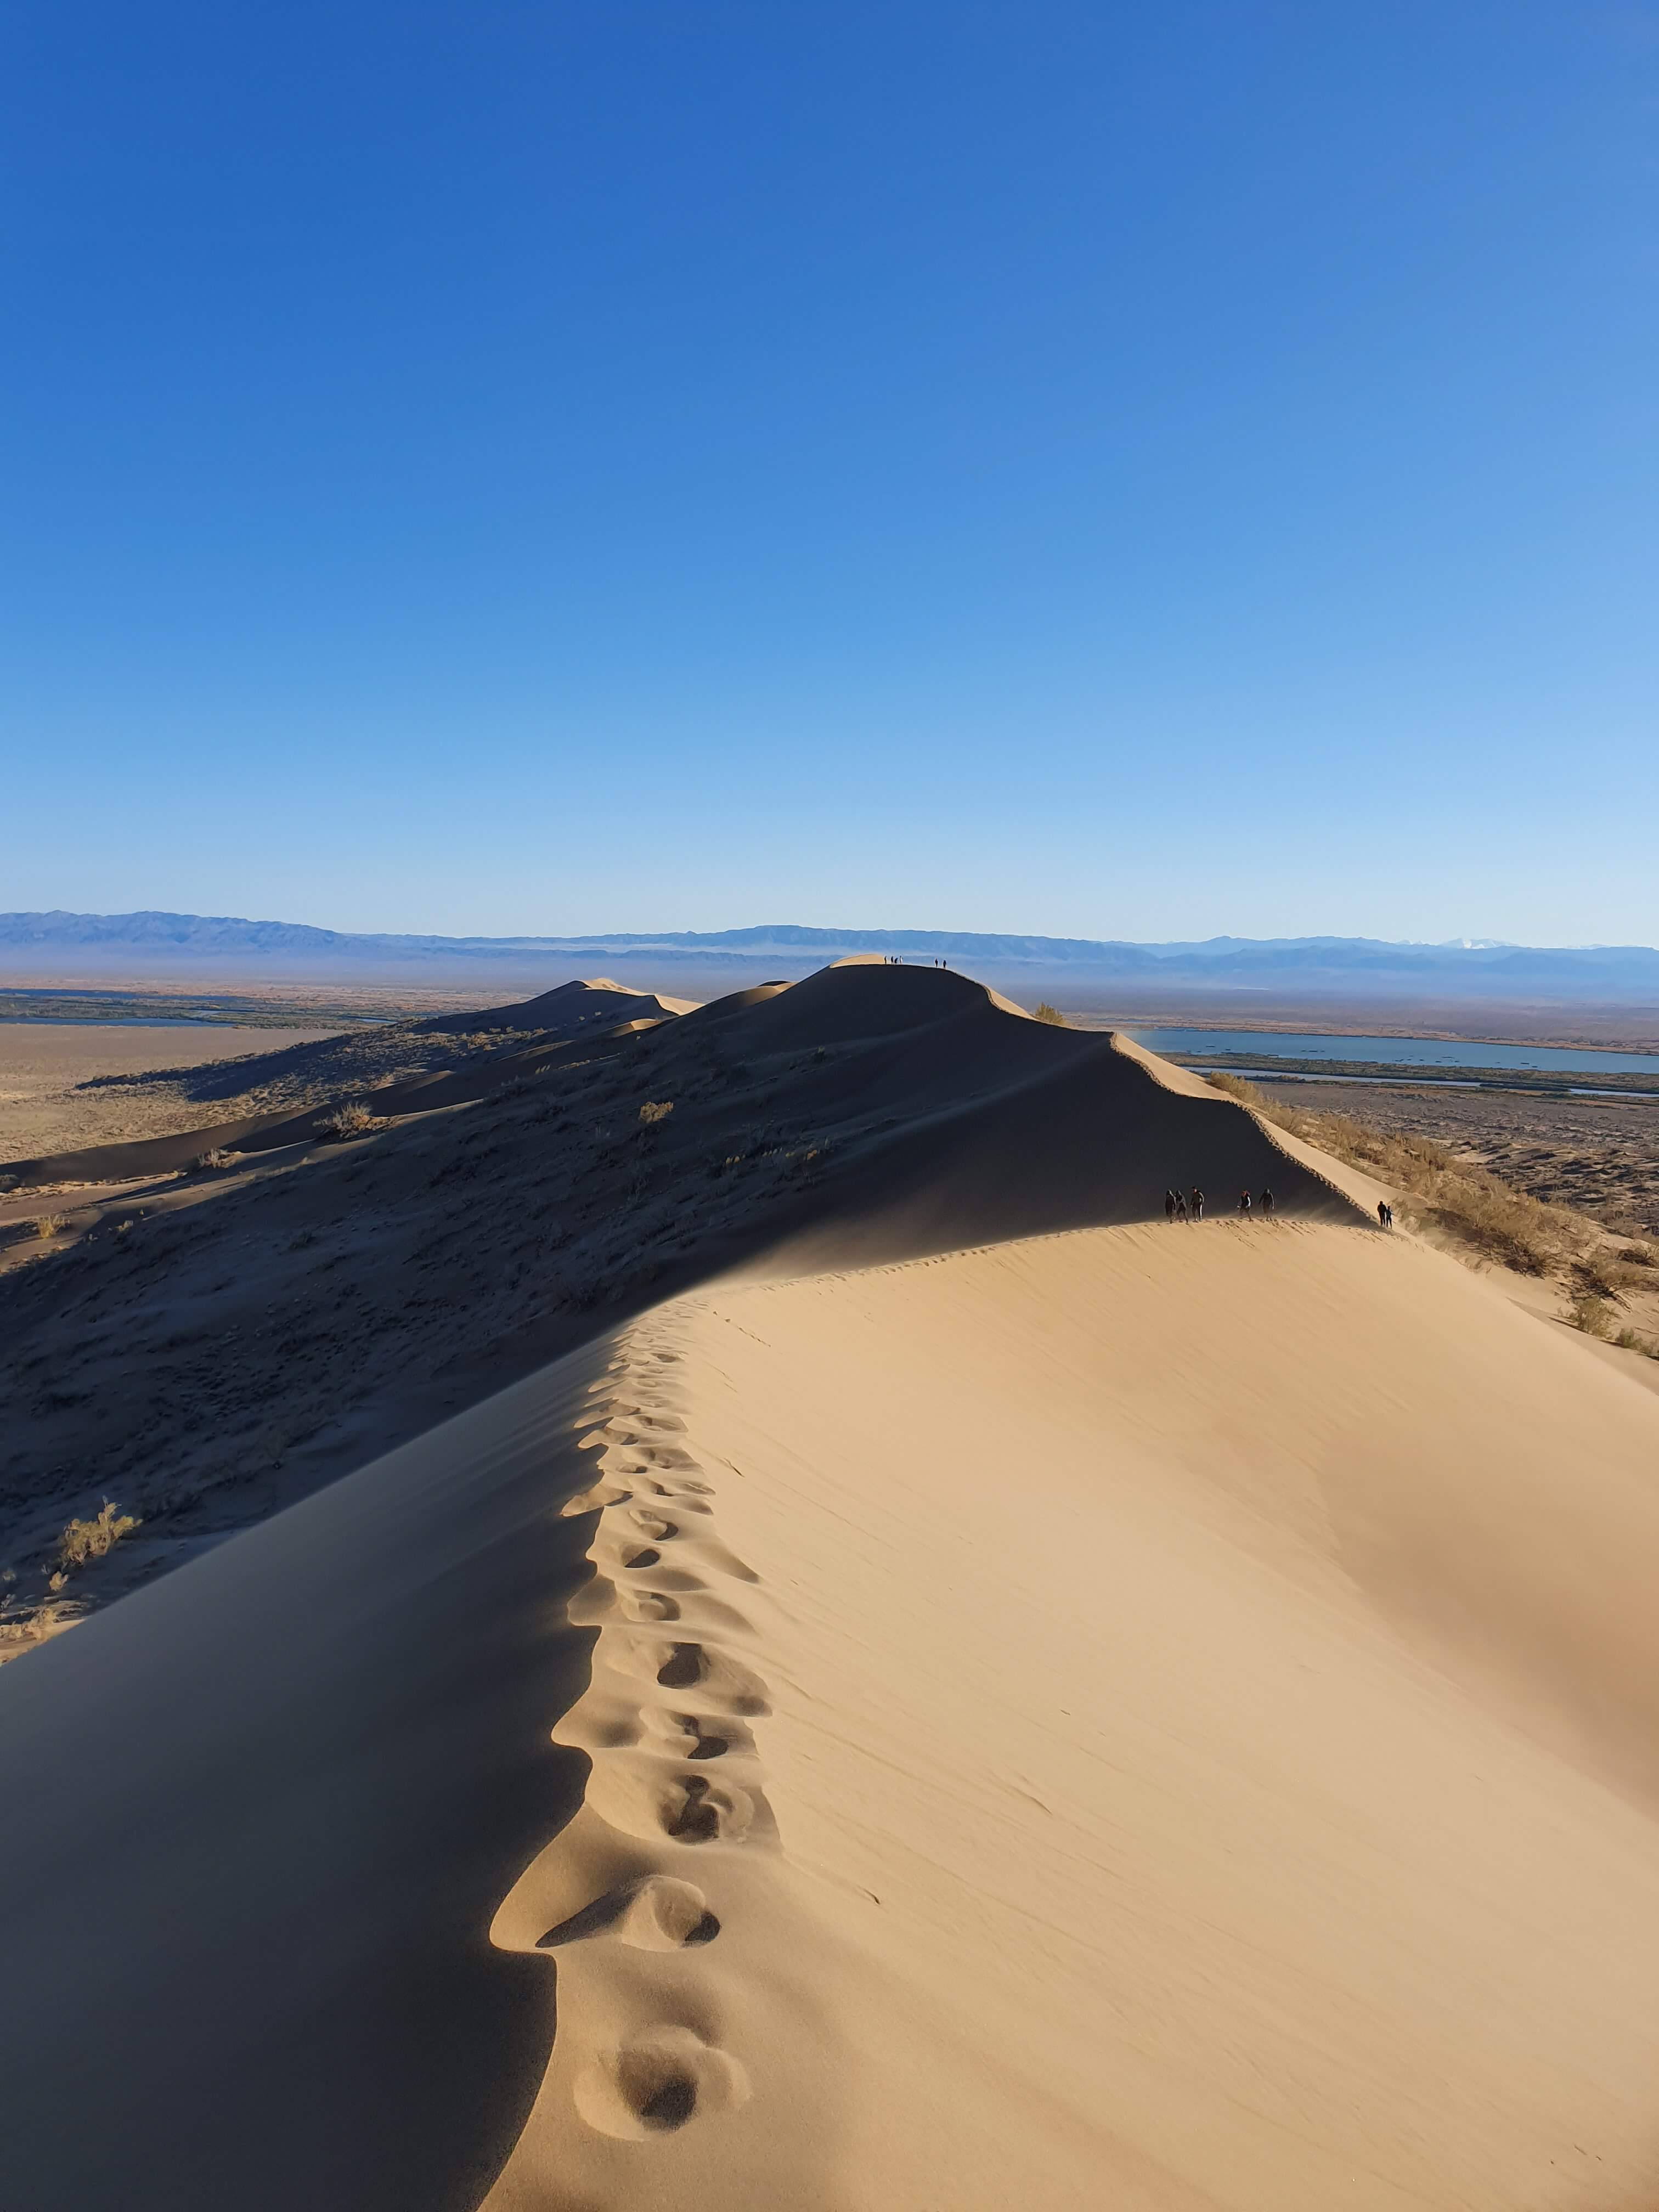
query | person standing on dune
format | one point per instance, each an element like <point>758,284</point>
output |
<point>1266,1202</point>
<point>1168,1206</point>
<point>1180,1208</point>
<point>1243,1201</point>
<point>1197,1203</point>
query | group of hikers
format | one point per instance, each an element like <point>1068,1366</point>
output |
<point>1188,1205</point>
<point>1181,1206</point>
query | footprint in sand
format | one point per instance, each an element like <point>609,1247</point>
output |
<point>656,1913</point>
<point>640,1798</point>
<point>657,2080</point>
<point>688,1735</point>
<point>723,1679</point>
<point>650,1605</point>
<point>595,1499</point>
<point>695,1810</point>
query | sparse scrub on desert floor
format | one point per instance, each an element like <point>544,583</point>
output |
<point>655,1110</point>
<point>1471,1205</point>
<point>519,1086</point>
<point>1042,1012</point>
<point>34,1625</point>
<point>1596,1316</point>
<point>1592,1315</point>
<point>49,1225</point>
<point>83,1540</point>
<point>348,1120</point>
<point>217,1158</point>
<point>1594,1277</point>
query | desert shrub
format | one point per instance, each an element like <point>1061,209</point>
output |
<point>1636,1255</point>
<point>655,1110</point>
<point>1592,1276</point>
<point>92,1540</point>
<point>348,1120</point>
<point>217,1158</point>
<point>1593,1315</point>
<point>1042,1012</point>
<point>49,1225</point>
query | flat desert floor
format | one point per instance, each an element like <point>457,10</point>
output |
<point>1598,1156</point>
<point>44,1067</point>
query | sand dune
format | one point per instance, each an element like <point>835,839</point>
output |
<point>284,1094</point>
<point>215,1344</point>
<point>993,1700</point>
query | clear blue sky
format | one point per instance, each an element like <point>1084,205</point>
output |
<point>1117,470</point>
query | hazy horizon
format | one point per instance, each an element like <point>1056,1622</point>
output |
<point>762,932</point>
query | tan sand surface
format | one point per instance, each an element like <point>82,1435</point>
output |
<point>1158,1719</point>
<point>1205,1689</point>
<point>1138,1717</point>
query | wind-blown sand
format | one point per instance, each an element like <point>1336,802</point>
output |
<point>1138,1717</point>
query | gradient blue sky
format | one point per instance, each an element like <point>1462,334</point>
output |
<point>1129,471</point>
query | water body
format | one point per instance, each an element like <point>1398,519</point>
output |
<point>1397,1052</point>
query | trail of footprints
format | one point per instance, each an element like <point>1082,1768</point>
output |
<point>667,1722</point>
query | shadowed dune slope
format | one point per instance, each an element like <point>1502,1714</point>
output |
<point>931,1046</point>
<point>212,1347</point>
<point>568,1007</point>
<point>336,1066</point>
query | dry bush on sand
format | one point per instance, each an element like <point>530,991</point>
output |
<point>218,1158</point>
<point>347,1121</point>
<point>49,1225</point>
<point>1593,1315</point>
<point>655,1110</point>
<point>1469,1203</point>
<point>92,1540</point>
<point>1042,1012</point>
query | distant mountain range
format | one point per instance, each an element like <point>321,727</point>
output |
<point>151,943</point>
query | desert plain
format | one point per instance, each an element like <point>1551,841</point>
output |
<point>720,1610</point>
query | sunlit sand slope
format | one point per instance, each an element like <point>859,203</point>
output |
<point>1158,1719</point>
